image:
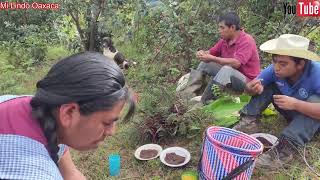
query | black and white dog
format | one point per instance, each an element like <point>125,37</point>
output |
<point>111,52</point>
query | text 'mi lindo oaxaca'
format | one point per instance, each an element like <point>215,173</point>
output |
<point>25,5</point>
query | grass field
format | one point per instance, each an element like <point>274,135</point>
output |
<point>128,137</point>
<point>95,166</point>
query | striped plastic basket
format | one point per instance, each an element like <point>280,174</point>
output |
<point>224,150</point>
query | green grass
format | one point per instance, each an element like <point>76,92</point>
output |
<point>132,168</point>
<point>53,55</point>
<point>20,81</point>
<point>94,164</point>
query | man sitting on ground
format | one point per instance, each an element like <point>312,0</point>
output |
<point>292,84</point>
<point>232,61</point>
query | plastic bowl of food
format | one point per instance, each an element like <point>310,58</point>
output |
<point>268,140</point>
<point>148,152</point>
<point>175,156</point>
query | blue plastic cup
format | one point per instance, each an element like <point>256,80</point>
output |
<point>114,164</point>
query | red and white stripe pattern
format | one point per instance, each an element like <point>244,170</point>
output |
<point>225,149</point>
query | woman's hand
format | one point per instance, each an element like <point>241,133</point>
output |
<point>67,168</point>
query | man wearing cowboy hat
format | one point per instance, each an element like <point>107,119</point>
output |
<point>292,84</point>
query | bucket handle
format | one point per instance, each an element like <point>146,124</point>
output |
<point>235,172</point>
<point>238,170</point>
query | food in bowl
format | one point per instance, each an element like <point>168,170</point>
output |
<point>174,159</point>
<point>266,144</point>
<point>148,153</point>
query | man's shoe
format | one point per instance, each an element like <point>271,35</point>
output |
<point>193,86</point>
<point>247,124</point>
<point>208,95</point>
<point>277,156</point>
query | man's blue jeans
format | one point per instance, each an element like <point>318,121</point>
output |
<point>301,128</point>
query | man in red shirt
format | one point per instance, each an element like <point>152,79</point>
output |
<point>231,62</point>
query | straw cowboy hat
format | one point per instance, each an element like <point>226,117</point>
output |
<point>290,45</point>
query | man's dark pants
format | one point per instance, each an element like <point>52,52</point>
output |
<point>301,128</point>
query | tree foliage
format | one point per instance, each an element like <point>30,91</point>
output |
<point>175,29</point>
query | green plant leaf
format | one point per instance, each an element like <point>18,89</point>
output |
<point>173,131</point>
<point>193,127</point>
<point>269,112</point>
<point>182,128</point>
<point>225,110</point>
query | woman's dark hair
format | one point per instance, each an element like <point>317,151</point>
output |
<point>90,79</point>
<point>229,19</point>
